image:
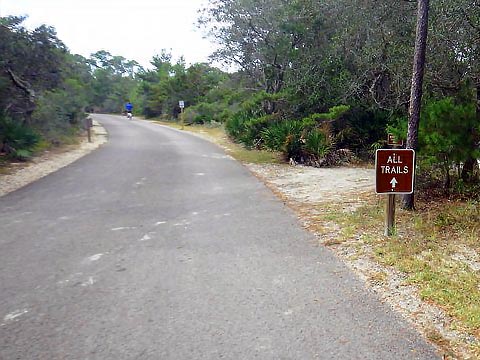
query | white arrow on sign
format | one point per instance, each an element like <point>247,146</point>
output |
<point>394,183</point>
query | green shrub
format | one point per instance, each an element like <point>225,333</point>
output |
<point>317,143</point>
<point>18,136</point>
<point>22,154</point>
<point>336,112</point>
<point>189,115</point>
<point>252,130</point>
<point>293,147</point>
<point>333,114</point>
<point>245,126</point>
<point>284,136</point>
<point>42,145</point>
<point>54,117</point>
<point>446,139</point>
<point>204,113</point>
<point>234,125</point>
<point>224,115</point>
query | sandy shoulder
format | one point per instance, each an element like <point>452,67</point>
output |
<point>22,174</point>
<point>316,185</point>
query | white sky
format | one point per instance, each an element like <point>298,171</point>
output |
<point>134,29</point>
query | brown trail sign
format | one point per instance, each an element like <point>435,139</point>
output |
<point>395,169</point>
<point>392,140</point>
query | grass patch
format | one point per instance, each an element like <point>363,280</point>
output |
<point>3,166</point>
<point>378,277</point>
<point>435,337</point>
<point>334,241</point>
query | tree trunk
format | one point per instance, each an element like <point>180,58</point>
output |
<point>23,85</point>
<point>274,81</point>
<point>29,94</point>
<point>416,89</point>
<point>468,170</point>
<point>448,182</point>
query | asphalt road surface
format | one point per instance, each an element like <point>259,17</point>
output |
<point>159,246</point>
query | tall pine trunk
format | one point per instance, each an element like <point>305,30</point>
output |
<point>468,171</point>
<point>417,84</point>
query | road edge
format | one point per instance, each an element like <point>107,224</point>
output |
<point>49,162</point>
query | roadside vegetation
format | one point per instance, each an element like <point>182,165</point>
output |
<point>46,92</point>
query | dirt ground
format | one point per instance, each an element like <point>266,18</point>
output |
<point>315,185</point>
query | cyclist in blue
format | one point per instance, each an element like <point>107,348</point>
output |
<point>128,108</point>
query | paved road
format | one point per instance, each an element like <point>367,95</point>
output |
<point>159,246</point>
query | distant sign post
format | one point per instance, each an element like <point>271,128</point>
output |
<point>395,173</point>
<point>181,104</point>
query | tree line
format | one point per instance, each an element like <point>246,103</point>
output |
<point>320,81</point>
<point>337,75</point>
<point>46,91</point>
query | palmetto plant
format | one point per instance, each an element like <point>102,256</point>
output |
<point>317,143</point>
<point>17,135</point>
<point>17,140</point>
<point>282,135</point>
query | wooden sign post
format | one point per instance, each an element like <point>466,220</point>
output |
<point>88,127</point>
<point>395,170</point>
